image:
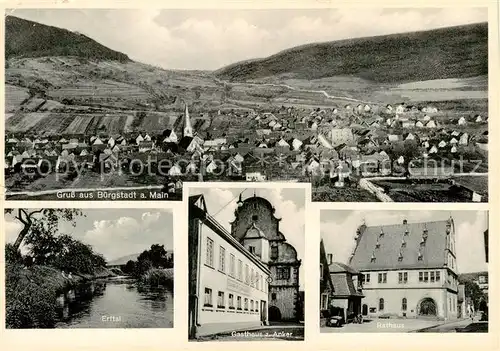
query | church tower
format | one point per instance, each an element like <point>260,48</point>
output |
<point>188,129</point>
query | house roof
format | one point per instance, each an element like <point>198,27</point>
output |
<point>387,255</point>
<point>337,267</point>
<point>343,285</point>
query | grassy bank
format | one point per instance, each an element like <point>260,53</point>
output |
<point>31,294</point>
<point>159,276</point>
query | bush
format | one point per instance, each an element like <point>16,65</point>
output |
<point>157,276</point>
<point>30,300</point>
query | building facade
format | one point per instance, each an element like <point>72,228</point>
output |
<point>409,269</point>
<point>326,290</point>
<point>348,290</point>
<point>228,284</point>
<point>257,229</point>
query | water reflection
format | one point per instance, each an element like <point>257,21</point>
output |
<point>118,302</point>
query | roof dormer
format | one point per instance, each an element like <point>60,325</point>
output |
<point>373,258</point>
<point>400,257</point>
<point>420,256</point>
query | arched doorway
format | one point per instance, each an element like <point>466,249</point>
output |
<point>274,314</point>
<point>427,307</point>
<point>365,309</point>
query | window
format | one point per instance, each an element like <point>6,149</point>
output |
<point>320,271</point>
<point>283,273</point>
<point>252,249</point>
<point>246,304</point>
<point>255,218</point>
<point>432,277</point>
<point>273,296</point>
<point>251,305</point>
<point>405,277</point>
<point>210,253</point>
<point>404,304</point>
<point>274,252</point>
<point>324,301</point>
<point>247,273</point>
<point>252,278</point>
<point>382,277</point>
<point>367,277</point>
<point>231,265</point>
<point>238,302</point>
<point>426,277</point>
<point>381,304</point>
<point>208,297</point>
<point>420,276</point>
<point>220,300</point>
<point>231,301</point>
<point>222,259</point>
<point>240,270</point>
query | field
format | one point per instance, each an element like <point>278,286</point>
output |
<point>330,193</point>
<point>14,95</point>
<point>423,191</point>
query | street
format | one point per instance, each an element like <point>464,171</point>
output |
<point>394,325</point>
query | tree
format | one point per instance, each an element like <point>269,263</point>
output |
<point>41,223</point>
<point>129,267</point>
<point>473,292</point>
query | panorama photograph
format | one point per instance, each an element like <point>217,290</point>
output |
<point>88,268</point>
<point>404,271</point>
<point>246,270</point>
<point>366,104</point>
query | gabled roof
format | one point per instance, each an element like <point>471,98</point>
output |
<point>386,255</point>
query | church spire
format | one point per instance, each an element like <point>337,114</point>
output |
<point>188,130</point>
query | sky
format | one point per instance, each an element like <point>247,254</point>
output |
<point>210,39</point>
<point>288,202</point>
<point>113,232</point>
<point>339,227</point>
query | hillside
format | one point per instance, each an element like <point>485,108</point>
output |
<point>453,52</point>
<point>132,257</point>
<point>25,38</point>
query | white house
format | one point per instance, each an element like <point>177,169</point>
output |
<point>367,108</point>
<point>442,144</point>
<point>464,139</point>
<point>401,160</point>
<point>478,119</point>
<point>433,150</point>
<point>175,171</point>
<point>431,124</point>
<point>296,144</point>
<point>453,149</point>
<point>410,136</point>
<point>400,109</point>
<point>139,139</point>
<point>419,124</point>
<point>462,121</point>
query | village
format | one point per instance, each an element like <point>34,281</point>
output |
<point>355,152</point>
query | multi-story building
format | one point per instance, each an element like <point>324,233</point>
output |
<point>228,283</point>
<point>409,269</point>
<point>257,229</point>
<point>326,289</point>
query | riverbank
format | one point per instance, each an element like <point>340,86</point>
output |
<point>31,293</point>
<point>159,277</point>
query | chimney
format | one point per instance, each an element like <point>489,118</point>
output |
<point>405,221</point>
<point>330,258</point>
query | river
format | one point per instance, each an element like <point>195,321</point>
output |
<point>120,303</point>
